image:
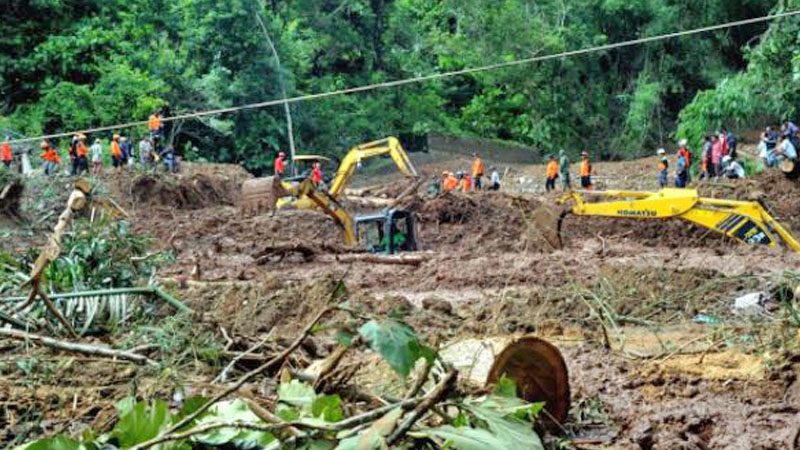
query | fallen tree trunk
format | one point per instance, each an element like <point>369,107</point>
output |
<point>400,260</point>
<point>75,347</point>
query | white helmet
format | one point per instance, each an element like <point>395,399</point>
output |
<point>726,159</point>
<point>661,151</point>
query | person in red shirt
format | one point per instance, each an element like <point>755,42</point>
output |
<point>280,164</point>
<point>6,154</point>
<point>316,174</point>
<point>116,152</point>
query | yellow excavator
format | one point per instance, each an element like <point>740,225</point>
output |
<point>744,221</point>
<point>255,192</point>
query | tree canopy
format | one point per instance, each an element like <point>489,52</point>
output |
<point>71,64</point>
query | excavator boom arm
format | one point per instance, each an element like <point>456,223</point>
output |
<point>389,146</point>
<point>744,221</point>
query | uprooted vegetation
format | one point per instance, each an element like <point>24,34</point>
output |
<point>620,301</point>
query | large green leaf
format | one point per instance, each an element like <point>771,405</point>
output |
<point>518,434</point>
<point>141,422</point>
<point>328,408</point>
<point>396,343</point>
<point>297,393</point>
<point>54,443</point>
<point>468,438</point>
<point>232,411</point>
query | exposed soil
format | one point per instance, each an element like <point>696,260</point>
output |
<point>618,299</point>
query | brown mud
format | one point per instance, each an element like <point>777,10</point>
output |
<point>618,300</point>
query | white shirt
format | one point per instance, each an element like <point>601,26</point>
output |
<point>788,149</point>
<point>734,168</point>
<point>97,152</point>
<point>495,177</point>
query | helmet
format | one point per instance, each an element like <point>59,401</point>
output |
<point>726,158</point>
<point>661,151</point>
<point>116,136</point>
<point>281,154</point>
<point>584,153</point>
<point>683,142</point>
<point>43,144</point>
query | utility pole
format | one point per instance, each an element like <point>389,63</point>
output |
<point>286,109</point>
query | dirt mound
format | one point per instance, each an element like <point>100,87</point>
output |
<point>192,192</point>
<point>480,221</point>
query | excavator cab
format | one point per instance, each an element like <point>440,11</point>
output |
<point>303,165</point>
<point>387,232</point>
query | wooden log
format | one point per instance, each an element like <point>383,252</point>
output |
<point>76,347</point>
<point>400,260</point>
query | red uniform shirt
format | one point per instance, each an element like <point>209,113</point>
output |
<point>280,165</point>
<point>316,175</point>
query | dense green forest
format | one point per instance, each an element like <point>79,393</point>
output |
<point>72,64</point>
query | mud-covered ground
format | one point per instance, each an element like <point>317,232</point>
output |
<point>619,299</point>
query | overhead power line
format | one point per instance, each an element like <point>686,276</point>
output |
<point>436,76</point>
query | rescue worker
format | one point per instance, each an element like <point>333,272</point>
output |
<point>663,167</point>
<point>50,157</point>
<point>73,155</point>
<point>450,182</point>
<point>154,125</point>
<point>316,174</point>
<point>81,154</point>
<point>168,156</point>
<point>586,171</point>
<point>466,183</point>
<point>116,152</point>
<point>478,170</point>
<point>280,164</point>
<point>563,169</point>
<point>551,174</point>
<point>684,150</point>
<point>6,153</point>
<point>495,180</point>
<point>97,157</point>
<point>681,171</point>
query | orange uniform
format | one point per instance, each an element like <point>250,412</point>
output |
<point>81,149</point>
<point>586,168</point>
<point>154,123</point>
<point>7,154</point>
<point>478,169</point>
<point>116,151</point>
<point>450,183</point>
<point>51,155</point>
<point>552,170</point>
<point>280,165</point>
<point>466,184</point>
<point>316,175</point>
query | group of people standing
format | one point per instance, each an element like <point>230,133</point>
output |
<point>466,181</point>
<point>559,169</point>
<point>120,148</point>
<point>776,147</point>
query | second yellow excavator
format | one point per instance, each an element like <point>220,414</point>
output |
<point>255,192</point>
<point>744,221</point>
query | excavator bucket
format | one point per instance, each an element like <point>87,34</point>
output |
<point>545,224</point>
<point>260,195</point>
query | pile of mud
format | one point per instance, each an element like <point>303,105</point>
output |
<point>480,221</point>
<point>197,186</point>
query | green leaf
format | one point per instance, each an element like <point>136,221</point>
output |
<point>396,343</point>
<point>518,434</point>
<point>470,438</point>
<point>141,423</point>
<point>328,407</point>
<point>232,411</point>
<point>54,443</point>
<point>344,337</point>
<point>373,437</point>
<point>297,393</point>
<point>191,405</point>
<point>505,387</point>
